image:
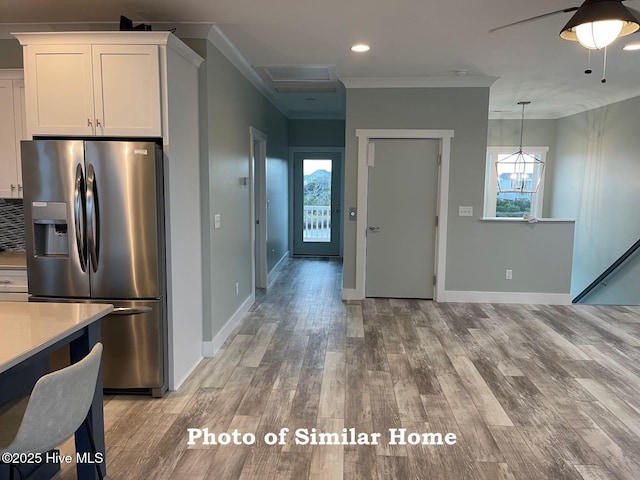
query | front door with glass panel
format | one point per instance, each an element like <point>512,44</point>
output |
<point>316,203</point>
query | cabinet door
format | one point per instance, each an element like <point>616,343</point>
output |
<point>59,88</point>
<point>127,90</point>
<point>8,169</point>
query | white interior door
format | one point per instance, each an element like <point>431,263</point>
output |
<point>401,216</point>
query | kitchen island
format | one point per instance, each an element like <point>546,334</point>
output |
<point>29,333</point>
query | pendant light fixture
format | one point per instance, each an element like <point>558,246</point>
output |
<point>519,172</point>
<point>597,23</point>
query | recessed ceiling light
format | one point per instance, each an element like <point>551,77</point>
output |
<point>632,46</point>
<point>360,48</point>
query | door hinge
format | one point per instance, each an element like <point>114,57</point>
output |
<point>439,159</point>
<point>435,278</point>
<point>436,220</point>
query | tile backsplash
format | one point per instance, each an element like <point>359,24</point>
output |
<point>11,226</point>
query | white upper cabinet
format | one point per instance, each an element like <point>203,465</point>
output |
<point>12,130</point>
<point>126,90</point>
<point>86,84</point>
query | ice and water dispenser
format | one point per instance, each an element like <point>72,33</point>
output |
<point>50,229</point>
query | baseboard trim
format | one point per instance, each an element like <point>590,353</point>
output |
<point>275,270</point>
<point>505,297</point>
<point>352,294</point>
<point>209,349</point>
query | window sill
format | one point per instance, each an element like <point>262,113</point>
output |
<point>524,220</point>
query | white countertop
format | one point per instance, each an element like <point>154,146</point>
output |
<point>27,328</point>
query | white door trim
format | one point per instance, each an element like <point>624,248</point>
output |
<point>365,136</point>
<point>258,191</point>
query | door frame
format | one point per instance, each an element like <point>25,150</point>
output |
<point>292,152</point>
<point>365,160</point>
<point>258,200</point>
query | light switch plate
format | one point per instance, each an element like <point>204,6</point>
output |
<point>216,221</point>
<point>465,211</point>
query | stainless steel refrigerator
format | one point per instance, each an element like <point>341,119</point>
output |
<point>94,222</point>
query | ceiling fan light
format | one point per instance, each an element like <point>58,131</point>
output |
<point>597,35</point>
<point>594,13</point>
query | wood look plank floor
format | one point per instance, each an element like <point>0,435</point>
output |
<point>532,392</point>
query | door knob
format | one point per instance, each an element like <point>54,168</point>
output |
<point>374,228</point>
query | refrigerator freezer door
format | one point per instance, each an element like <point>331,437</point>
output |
<point>125,225</point>
<point>133,346</point>
<point>53,173</point>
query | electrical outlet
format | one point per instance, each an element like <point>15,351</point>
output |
<point>465,211</point>
<point>509,275</point>
<point>237,289</point>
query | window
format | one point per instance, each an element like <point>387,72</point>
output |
<point>512,204</point>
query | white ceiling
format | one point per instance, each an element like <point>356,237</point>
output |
<point>413,43</point>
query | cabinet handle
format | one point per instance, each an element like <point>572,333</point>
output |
<point>13,187</point>
<point>89,124</point>
<point>5,282</point>
<point>98,124</point>
<point>20,187</point>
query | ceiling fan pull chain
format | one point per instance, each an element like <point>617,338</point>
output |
<point>588,71</point>
<point>604,67</point>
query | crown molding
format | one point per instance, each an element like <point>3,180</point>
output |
<point>419,82</point>
<point>219,40</point>
<point>182,30</point>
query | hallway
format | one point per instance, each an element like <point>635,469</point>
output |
<point>530,392</point>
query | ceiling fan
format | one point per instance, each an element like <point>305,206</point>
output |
<point>596,23</point>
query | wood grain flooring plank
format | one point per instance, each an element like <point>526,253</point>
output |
<point>385,413</point>
<point>332,392</point>
<point>495,471</point>
<point>359,460</point>
<point>327,461</point>
<point>594,472</point>
<point>521,460</point>
<point>355,325</point>
<point>229,460</point>
<point>611,402</point>
<point>621,464</point>
<point>304,409</point>
<point>293,466</point>
<point>482,446</point>
<point>456,460</point>
<point>253,355</point>
<point>491,350</point>
<point>289,373</point>
<point>316,348</point>
<point>231,358</point>
<point>480,393</point>
<point>391,335</point>
<point>407,395</point>
<point>376,354</point>
<point>438,357</point>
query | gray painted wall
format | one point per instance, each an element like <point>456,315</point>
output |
<point>596,181</point>
<point>478,253</point>
<point>316,133</point>
<point>10,54</point>
<point>537,133</point>
<point>234,105</point>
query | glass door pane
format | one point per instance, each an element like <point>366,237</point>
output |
<point>316,221</point>
<point>317,197</point>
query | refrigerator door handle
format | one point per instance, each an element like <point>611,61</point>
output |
<point>92,217</point>
<point>130,311</point>
<point>79,217</point>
